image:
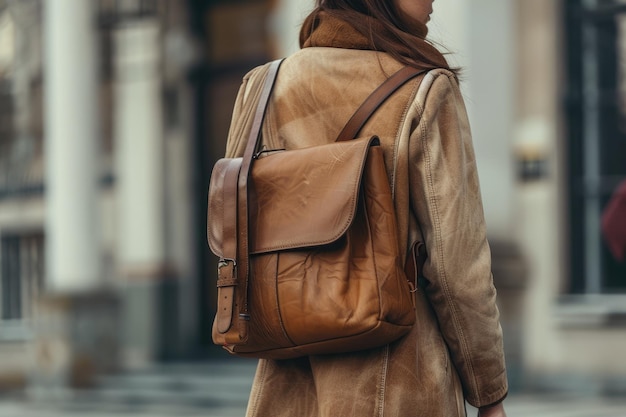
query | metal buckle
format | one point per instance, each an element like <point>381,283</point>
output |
<point>266,151</point>
<point>223,262</point>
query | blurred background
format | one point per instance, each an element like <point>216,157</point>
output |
<point>112,113</point>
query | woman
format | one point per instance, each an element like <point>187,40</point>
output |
<point>454,352</point>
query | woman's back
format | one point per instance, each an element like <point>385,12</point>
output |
<point>454,352</point>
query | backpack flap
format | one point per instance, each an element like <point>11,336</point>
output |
<point>305,197</point>
<point>297,199</point>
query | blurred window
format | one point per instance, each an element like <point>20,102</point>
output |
<point>596,138</point>
<point>22,275</point>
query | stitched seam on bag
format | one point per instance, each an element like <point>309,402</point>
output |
<point>321,341</point>
<point>383,382</point>
<point>280,316</point>
<point>371,240</point>
<point>439,240</point>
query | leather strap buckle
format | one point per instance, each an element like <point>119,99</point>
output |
<point>226,273</point>
<point>223,262</point>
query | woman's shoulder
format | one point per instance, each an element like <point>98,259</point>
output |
<point>441,73</point>
<point>437,85</point>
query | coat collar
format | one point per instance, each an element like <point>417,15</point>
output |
<point>328,30</point>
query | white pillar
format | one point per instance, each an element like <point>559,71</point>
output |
<point>139,149</point>
<point>72,235</point>
<point>139,155</point>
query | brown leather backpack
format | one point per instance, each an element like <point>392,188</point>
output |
<point>307,240</point>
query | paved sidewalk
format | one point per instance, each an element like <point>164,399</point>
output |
<point>20,409</point>
<point>517,406</point>
<point>537,405</point>
<point>220,389</point>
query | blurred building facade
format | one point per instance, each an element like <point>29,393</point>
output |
<point>112,114</point>
<point>544,87</point>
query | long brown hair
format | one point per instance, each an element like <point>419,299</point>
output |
<point>403,40</point>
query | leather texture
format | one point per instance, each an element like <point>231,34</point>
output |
<point>302,198</point>
<point>316,260</point>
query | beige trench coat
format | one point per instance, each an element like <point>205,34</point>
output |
<point>454,352</point>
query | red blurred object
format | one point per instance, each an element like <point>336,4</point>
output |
<point>614,223</point>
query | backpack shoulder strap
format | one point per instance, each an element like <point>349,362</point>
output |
<point>378,97</point>
<point>233,266</point>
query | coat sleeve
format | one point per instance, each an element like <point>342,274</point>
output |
<point>243,111</point>
<point>445,196</point>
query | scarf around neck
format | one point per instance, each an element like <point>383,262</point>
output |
<point>327,30</point>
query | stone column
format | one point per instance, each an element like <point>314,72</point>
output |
<point>71,147</point>
<point>76,327</point>
<point>139,156</point>
<point>138,147</point>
